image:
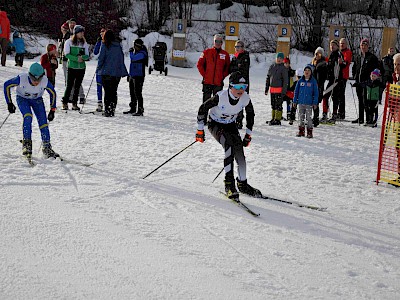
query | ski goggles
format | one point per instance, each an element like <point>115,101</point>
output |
<point>239,86</point>
<point>36,78</point>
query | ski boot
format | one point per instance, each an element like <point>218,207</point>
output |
<point>99,107</point>
<point>75,107</point>
<point>245,188</point>
<point>309,133</point>
<point>301,131</point>
<point>48,151</point>
<point>332,120</point>
<point>64,106</point>
<point>129,112</point>
<point>26,147</point>
<point>324,119</point>
<point>82,101</point>
<point>230,190</point>
<point>138,113</point>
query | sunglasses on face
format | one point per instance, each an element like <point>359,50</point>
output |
<point>35,78</point>
<point>218,41</point>
<point>239,86</point>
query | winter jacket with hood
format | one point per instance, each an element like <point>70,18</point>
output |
<point>111,61</point>
<point>4,26</point>
<point>306,91</point>
<point>213,66</point>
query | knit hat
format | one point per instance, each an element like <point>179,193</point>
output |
<point>138,42</point>
<point>335,42</point>
<point>237,77</point>
<point>79,28</point>
<point>310,67</point>
<point>299,72</point>
<point>376,72</point>
<point>65,25</point>
<point>51,47</point>
<point>286,60</point>
<point>364,41</point>
<point>280,55</point>
<point>319,50</point>
<point>36,71</point>
<point>72,20</point>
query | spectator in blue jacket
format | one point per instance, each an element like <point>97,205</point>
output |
<point>306,97</point>
<point>99,83</point>
<point>139,60</point>
<point>18,43</point>
<point>111,67</point>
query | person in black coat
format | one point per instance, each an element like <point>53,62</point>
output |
<point>335,66</point>
<point>241,62</point>
<point>321,74</point>
<point>364,64</point>
<point>388,66</point>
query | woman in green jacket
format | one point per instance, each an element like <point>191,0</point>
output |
<point>77,51</point>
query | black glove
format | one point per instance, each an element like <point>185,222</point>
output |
<point>131,49</point>
<point>50,116</point>
<point>246,140</point>
<point>11,108</point>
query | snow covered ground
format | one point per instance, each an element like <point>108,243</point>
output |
<point>102,232</point>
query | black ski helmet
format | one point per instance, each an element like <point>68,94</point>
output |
<point>237,77</point>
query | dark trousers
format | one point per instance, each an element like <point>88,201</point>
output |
<point>110,85</point>
<point>3,45</point>
<point>228,136</point>
<point>361,107</point>
<point>74,80</point>
<point>335,93</point>
<point>210,90</point>
<point>370,108</point>
<point>277,101</point>
<point>19,59</point>
<point>135,89</point>
<point>342,99</point>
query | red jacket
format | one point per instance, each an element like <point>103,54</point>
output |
<point>4,25</point>
<point>348,56</point>
<point>49,67</point>
<point>213,65</point>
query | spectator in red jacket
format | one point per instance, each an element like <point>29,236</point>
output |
<point>213,66</point>
<point>347,58</point>
<point>4,35</point>
<point>49,63</point>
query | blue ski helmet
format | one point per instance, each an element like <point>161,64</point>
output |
<point>36,71</point>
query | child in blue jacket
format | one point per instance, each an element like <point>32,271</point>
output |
<point>306,97</point>
<point>18,43</point>
<point>139,60</point>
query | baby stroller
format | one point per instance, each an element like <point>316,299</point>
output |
<point>160,58</point>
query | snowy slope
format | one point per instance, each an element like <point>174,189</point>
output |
<point>102,232</point>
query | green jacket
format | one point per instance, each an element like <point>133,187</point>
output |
<point>72,52</point>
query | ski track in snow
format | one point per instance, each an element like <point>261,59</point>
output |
<point>102,232</point>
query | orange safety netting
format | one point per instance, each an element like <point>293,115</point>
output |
<point>389,151</point>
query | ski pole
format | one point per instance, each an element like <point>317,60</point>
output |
<point>87,93</point>
<point>5,120</point>
<point>169,160</point>
<point>218,175</point>
<point>354,100</point>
